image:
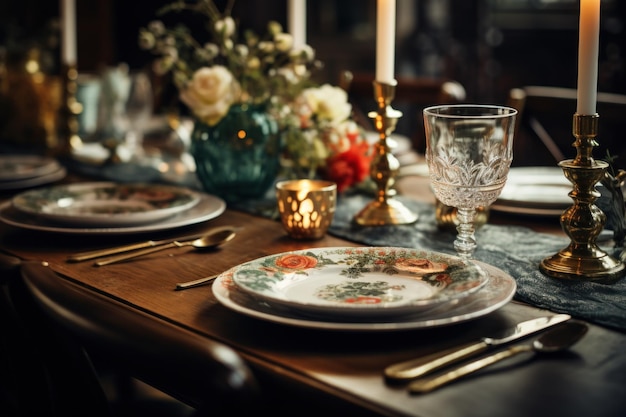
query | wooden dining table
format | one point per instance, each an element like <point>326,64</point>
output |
<point>310,371</point>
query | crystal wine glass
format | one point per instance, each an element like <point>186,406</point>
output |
<point>469,149</point>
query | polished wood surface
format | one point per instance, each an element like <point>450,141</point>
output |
<point>308,372</point>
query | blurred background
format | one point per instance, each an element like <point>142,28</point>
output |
<point>488,46</point>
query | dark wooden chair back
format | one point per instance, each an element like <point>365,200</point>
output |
<point>544,126</point>
<point>64,326</point>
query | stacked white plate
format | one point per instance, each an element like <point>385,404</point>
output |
<point>109,208</point>
<point>364,288</point>
<point>25,171</point>
<point>537,191</point>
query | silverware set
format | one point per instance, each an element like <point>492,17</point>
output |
<point>421,372</point>
<point>213,238</point>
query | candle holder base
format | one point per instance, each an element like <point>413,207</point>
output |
<point>380,213</point>
<point>591,265</point>
<point>384,210</point>
<point>583,221</point>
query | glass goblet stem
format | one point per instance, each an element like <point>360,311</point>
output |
<point>465,243</point>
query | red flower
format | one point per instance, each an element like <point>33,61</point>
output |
<point>349,168</point>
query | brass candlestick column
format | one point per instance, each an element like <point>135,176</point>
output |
<point>384,209</point>
<point>583,221</point>
<point>68,130</point>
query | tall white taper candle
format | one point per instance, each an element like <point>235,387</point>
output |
<point>68,31</point>
<point>296,12</point>
<point>588,46</point>
<point>385,40</point>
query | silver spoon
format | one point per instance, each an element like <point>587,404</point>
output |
<point>215,238</point>
<point>557,339</point>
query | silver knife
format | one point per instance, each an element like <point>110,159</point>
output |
<point>424,365</point>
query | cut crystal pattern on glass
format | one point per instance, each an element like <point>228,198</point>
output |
<point>469,152</point>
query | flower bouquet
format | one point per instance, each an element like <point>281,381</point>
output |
<point>220,71</point>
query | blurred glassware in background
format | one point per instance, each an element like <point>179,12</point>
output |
<point>138,111</point>
<point>88,95</point>
<point>126,107</point>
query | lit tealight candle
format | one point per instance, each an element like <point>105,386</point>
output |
<point>385,41</point>
<point>306,207</point>
<point>588,40</point>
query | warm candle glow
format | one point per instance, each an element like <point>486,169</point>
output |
<point>306,207</point>
<point>385,41</point>
<point>68,31</point>
<point>296,10</point>
<point>588,40</point>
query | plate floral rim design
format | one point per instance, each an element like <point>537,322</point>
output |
<point>498,291</point>
<point>360,281</point>
<point>106,203</point>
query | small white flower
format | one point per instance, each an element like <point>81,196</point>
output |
<point>284,42</point>
<point>241,50</point>
<point>156,27</point>
<point>304,53</point>
<point>212,49</point>
<point>274,28</point>
<point>225,27</point>
<point>146,40</point>
<point>254,63</point>
<point>266,47</point>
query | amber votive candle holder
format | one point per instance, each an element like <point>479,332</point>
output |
<point>306,207</point>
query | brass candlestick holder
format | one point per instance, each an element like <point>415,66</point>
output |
<point>583,221</point>
<point>384,210</point>
<point>68,130</point>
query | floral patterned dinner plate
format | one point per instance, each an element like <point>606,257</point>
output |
<point>106,204</point>
<point>359,281</point>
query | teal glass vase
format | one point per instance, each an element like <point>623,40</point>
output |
<point>238,158</point>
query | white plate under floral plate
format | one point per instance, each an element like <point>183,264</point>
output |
<point>106,204</point>
<point>360,281</point>
<point>498,291</point>
<point>540,191</point>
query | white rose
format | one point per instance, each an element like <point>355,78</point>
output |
<point>329,103</point>
<point>210,93</point>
